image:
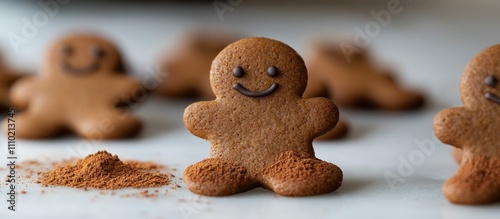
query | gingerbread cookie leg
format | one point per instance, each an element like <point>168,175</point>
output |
<point>476,182</point>
<point>106,125</point>
<point>388,96</point>
<point>294,174</point>
<point>218,177</point>
<point>31,126</point>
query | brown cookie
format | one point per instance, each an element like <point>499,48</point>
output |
<point>7,78</point>
<point>354,81</point>
<point>187,68</point>
<point>474,129</point>
<point>79,89</point>
<point>259,126</point>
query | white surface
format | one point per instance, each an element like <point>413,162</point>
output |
<point>430,43</point>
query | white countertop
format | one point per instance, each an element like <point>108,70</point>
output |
<point>429,42</point>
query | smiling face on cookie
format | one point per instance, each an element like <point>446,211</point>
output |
<point>492,82</point>
<point>79,55</point>
<point>480,82</point>
<point>258,68</point>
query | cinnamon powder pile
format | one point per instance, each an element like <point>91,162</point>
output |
<point>105,171</point>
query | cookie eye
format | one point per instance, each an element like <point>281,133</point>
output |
<point>272,71</point>
<point>491,81</point>
<point>96,51</point>
<point>238,72</point>
<point>67,50</point>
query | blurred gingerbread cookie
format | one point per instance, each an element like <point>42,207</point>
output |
<point>259,126</point>
<point>80,89</point>
<point>7,78</point>
<point>187,67</point>
<point>355,81</point>
<point>474,129</point>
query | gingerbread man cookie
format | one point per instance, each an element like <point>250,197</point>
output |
<point>259,126</point>
<point>357,83</point>
<point>187,69</point>
<point>79,89</point>
<point>474,129</point>
<point>7,78</point>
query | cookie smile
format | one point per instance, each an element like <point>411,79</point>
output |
<point>87,69</point>
<point>240,88</point>
<point>492,97</point>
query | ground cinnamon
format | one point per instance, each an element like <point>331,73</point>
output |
<point>105,171</point>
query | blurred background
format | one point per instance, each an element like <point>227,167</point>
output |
<point>429,42</point>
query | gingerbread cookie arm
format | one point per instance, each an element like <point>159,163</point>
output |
<point>451,125</point>
<point>22,92</point>
<point>323,115</point>
<point>340,131</point>
<point>127,90</point>
<point>199,118</point>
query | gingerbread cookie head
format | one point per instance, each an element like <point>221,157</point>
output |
<point>82,54</point>
<point>480,87</point>
<point>272,69</point>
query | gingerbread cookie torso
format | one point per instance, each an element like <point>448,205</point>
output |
<point>259,126</point>
<point>355,81</point>
<point>474,129</point>
<point>79,90</point>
